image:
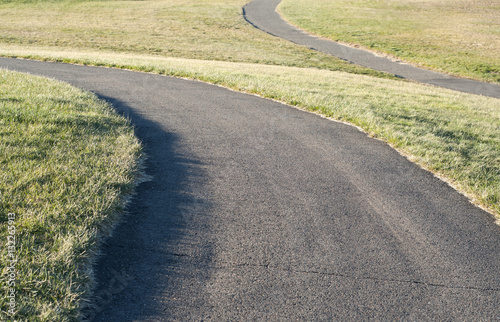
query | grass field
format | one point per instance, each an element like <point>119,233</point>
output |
<point>455,135</point>
<point>67,162</point>
<point>456,36</point>
<point>198,29</point>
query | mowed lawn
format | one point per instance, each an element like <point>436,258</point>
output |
<point>455,135</point>
<point>67,162</point>
<point>455,36</point>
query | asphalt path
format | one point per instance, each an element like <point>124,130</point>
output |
<point>259,211</point>
<point>262,14</point>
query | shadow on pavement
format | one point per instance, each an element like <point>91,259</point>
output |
<point>150,257</point>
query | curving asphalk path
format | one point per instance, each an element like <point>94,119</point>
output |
<point>259,211</point>
<point>262,14</point>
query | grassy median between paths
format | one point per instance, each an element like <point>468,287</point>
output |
<point>455,36</point>
<point>455,135</point>
<point>195,29</point>
<point>67,163</point>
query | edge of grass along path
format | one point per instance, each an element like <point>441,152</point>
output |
<point>458,37</point>
<point>68,162</point>
<point>454,135</point>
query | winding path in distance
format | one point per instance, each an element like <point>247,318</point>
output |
<point>260,211</point>
<point>262,14</point>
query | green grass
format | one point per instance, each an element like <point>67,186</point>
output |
<point>456,36</point>
<point>67,162</point>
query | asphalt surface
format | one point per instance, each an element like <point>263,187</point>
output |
<point>259,211</point>
<point>262,14</point>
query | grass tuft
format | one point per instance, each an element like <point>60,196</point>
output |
<point>67,161</point>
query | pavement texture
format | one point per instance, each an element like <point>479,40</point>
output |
<point>260,211</point>
<point>262,14</point>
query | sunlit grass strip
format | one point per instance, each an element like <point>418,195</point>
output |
<point>455,135</point>
<point>67,162</point>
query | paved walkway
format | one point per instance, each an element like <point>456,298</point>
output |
<point>262,14</point>
<point>259,211</point>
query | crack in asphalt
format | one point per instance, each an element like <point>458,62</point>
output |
<point>315,272</point>
<point>368,278</point>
